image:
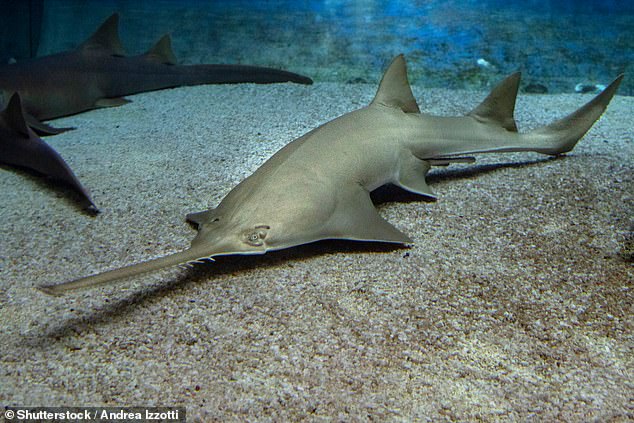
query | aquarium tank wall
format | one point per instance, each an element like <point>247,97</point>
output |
<point>560,46</point>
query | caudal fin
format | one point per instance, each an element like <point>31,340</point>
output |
<point>237,74</point>
<point>561,136</point>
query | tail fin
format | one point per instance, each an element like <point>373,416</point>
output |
<point>183,257</point>
<point>234,74</point>
<point>561,136</point>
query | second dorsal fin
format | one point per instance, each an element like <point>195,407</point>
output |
<point>162,52</point>
<point>105,38</point>
<point>499,106</point>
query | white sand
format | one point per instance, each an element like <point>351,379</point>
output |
<point>515,302</point>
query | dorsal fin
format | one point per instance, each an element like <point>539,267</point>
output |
<point>14,115</point>
<point>394,90</point>
<point>106,38</point>
<point>499,106</point>
<point>162,52</point>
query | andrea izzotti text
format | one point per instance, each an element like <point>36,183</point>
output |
<point>113,414</point>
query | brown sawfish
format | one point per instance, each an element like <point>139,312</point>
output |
<point>318,186</point>
<point>98,74</point>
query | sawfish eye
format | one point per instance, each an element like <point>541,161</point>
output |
<point>256,237</point>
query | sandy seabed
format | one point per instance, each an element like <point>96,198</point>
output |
<point>514,303</point>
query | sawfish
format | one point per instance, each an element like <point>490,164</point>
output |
<point>318,186</point>
<point>97,74</point>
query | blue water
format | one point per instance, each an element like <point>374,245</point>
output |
<point>556,44</point>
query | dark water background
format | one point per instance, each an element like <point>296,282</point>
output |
<point>556,44</point>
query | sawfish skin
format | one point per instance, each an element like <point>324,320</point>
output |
<point>21,147</point>
<point>98,75</point>
<point>318,186</point>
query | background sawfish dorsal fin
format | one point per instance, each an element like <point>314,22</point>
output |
<point>394,90</point>
<point>13,115</point>
<point>106,38</point>
<point>162,52</point>
<point>499,106</point>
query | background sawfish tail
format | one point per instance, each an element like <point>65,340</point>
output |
<point>235,74</point>
<point>188,256</point>
<point>561,136</point>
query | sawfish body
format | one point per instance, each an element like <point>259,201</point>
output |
<point>318,186</point>
<point>77,82</point>
<point>97,74</point>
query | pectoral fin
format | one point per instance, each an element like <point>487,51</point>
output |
<point>356,218</point>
